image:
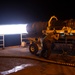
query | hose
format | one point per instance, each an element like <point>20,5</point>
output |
<point>40,59</point>
<point>49,22</point>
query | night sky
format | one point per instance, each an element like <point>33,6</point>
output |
<point>27,11</point>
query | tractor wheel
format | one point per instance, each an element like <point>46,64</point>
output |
<point>33,48</point>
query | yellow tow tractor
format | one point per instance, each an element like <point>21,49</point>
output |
<point>66,42</point>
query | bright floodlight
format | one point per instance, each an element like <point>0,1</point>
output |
<point>13,29</point>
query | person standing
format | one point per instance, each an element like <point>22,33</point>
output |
<point>47,44</point>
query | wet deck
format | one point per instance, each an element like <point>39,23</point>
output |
<point>21,66</point>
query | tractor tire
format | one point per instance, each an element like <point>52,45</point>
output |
<point>33,48</point>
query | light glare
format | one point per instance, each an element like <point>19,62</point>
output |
<point>13,29</point>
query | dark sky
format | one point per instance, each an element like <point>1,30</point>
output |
<point>27,11</point>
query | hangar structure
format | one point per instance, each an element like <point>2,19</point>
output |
<point>8,32</point>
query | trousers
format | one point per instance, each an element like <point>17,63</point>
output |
<point>46,50</point>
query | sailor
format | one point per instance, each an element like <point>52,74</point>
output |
<point>48,41</point>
